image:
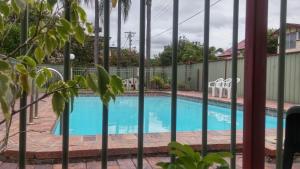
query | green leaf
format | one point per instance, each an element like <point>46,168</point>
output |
<point>56,85</point>
<point>27,61</point>
<point>21,4</point>
<point>81,81</point>
<point>4,65</point>
<point>66,25</point>
<point>91,83</point>
<point>58,103</point>
<point>51,2</point>
<point>15,6</point>
<point>4,79</point>
<point>103,80</point>
<point>39,54</point>
<point>40,79</point>
<point>81,13</point>
<point>21,68</point>
<point>5,108</point>
<point>1,23</point>
<point>79,34</point>
<point>116,84</point>
<point>89,27</point>
<point>4,9</point>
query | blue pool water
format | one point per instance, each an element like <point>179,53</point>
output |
<point>86,119</point>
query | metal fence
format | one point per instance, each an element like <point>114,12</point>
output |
<point>189,77</point>
<point>254,81</point>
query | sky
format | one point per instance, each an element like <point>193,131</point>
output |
<point>220,21</point>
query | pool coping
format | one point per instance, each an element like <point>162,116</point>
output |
<point>43,146</point>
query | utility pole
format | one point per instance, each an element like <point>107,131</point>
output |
<point>148,42</point>
<point>130,36</point>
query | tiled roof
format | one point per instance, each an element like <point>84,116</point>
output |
<point>228,52</point>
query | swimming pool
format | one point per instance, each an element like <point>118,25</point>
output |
<point>86,119</point>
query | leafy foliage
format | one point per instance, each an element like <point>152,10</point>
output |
<point>48,33</point>
<point>157,82</point>
<point>272,40</point>
<point>187,158</point>
<point>188,53</point>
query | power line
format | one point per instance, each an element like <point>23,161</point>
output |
<point>187,19</point>
<point>166,8</point>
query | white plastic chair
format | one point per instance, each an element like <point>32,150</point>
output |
<point>220,87</point>
<point>228,86</point>
<point>214,84</point>
<point>131,83</point>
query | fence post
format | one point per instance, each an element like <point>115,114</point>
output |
<point>65,115</point>
<point>174,74</point>
<point>23,99</point>
<point>205,77</point>
<point>234,81</point>
<point>141,86</point>
<point>281,78</point>
<point>255,84</point>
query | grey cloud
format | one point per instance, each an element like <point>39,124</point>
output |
<point>220,23</point>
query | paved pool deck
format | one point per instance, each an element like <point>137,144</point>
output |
<point>42,145</point>
<point>126,163</point>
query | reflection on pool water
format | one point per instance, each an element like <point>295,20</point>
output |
<point>86,119</point>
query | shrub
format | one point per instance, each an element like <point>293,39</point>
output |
<point>157,82</point>
<point>187,158</point>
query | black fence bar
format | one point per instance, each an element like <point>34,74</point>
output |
<point>174,73</point>
<point>96,30</point>
<point>234,81</point>
<point>36,105</point>
<point>119,36</point>
<point>205,77</point>
<point>148,43</point>
<point>106,66</point>
<point>65,116</point>
<point>23,99</point>
<point>141,86</point>
<point>281,77</point>
<point>31,108</point>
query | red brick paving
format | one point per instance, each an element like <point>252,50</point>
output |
<point>128,163</point>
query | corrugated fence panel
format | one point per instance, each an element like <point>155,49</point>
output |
<point>190,76</point>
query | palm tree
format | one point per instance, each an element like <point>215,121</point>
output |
<point>123,7</point>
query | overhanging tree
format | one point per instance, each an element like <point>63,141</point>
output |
<point>48,35</point>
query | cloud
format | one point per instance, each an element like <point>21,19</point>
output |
<point>220,21</point>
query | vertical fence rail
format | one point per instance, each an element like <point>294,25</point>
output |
<point>281,78</point>
<point>106,66</point>
<point>174,73</point>
<point>255,84</point>
<point>96,30</point>
<point>31,108</point>
<point>36,105</point>
<point>65,116</point>
<point>148,43</point>
<point>234,82</point>
<point>119,36</point>
<point>205,77</point>
<point>141,86</point>
<point>23,99</point>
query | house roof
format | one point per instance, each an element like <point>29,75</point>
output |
<point>241,44</point>
<point>228,52</point>
<point>289,26</point>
